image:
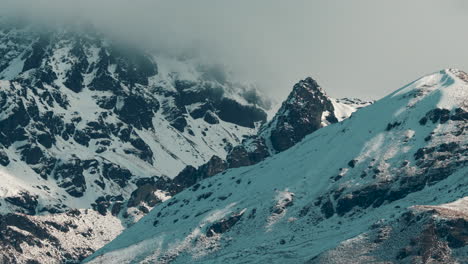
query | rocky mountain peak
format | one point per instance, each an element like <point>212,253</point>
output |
<point>306,109</point>
<point>301,114</point>
<point>306,86</point>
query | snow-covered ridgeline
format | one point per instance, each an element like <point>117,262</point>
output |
<point>348,179</point>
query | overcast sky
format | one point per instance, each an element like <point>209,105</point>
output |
<point>354,48</point>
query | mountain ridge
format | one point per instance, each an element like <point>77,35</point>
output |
<point>339,183</point>
<point>93,131</point>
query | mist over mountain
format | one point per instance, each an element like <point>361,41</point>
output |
<point>357,48</point>
<point>157,131</point>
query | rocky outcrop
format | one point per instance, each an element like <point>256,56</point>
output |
<point>146,192</point>
<point>26,202</point>
<point>69,175</point>
<point>302,113</point>
<point>249,153</point>
<point>190,175</point>
<point>224,225</point>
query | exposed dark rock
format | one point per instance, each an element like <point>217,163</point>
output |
<point>204,196</point>
<point>74,78</point>
<point>96,130</point>
<point>455,231</point>
<point>327,209</point>
<point>373,194</point>
<point>103,80</point>
<point>433,164</point>
<point>4,160</point>
<point>116,208</point>
<point>145,193</point>
<point>390,126</point>
<point>211,118</point>
<point>39,49</point>
<point>145,210</point>
<point>13,125</point>
<point>69,175</point>
<point>145,153</point>
<point>32,155</point>
<point>448,147</point>
<point>179,123</point>
<point>352,163</point>
<point>239,156</point>
<point>81,138</point>
<point>201,110</point>
<point>300,115</point>
<point>62,228</point>
<point>101,204</point>
<point>116,173</point>
<point>107,102</point>
<point>137,111</point>
<point>223,225</point>
<point>24,200</point>
<point>459,115</point>
<point>190,175</point>
<point>46,140</point>
<point>186,178</point>
<point>423,121</point>
<point>436,115</point>
<point>246,116</point>
<point>434,238</point>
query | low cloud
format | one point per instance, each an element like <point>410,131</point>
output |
<point>361,48</point>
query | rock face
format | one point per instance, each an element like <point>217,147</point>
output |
<point>392,190</point>
<point>300,115</point>
<point>190,175</point>
<point>251,152</point>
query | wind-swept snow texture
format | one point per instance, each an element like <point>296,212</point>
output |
<point>407,149</point>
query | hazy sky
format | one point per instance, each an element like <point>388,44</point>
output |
<point>360,48</point>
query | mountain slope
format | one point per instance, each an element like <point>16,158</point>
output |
<point>95,117</point>
<point>409,148</point>
<point>94,133</point>
<point>86,122</point>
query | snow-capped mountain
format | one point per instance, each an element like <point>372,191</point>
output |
<point>85,121</point>
<point>387,185</point>
<point>94,134</point>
